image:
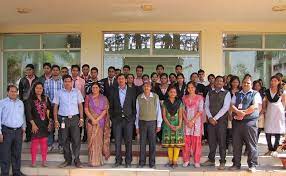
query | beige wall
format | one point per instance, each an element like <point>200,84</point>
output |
<point>211,37</point>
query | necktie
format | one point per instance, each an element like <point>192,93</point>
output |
<point>74,83</point>
<point>110,82</point>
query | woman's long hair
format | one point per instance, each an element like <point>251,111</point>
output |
<point>33,95</point>
<point>279,86</point>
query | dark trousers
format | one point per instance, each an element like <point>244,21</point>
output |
<point>147,130</point>
<point>70,134</point>
<point>244,131</point>
<point>10,151</point>
<point>272,147</point>
<point>228,137</point>
<point>217,136</point>
<point>123,129</point>
<point>28,126</point>
<point>259,131</point>
<point>205,136</point>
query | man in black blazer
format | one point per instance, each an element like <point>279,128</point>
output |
<point>122,112</point>
<point>109,82</point>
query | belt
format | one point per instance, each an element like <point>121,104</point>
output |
<point>70,116</point>
<point>9,128</point>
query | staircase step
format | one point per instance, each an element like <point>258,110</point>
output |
<point>160,170</point>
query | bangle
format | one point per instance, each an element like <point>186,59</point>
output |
<point>81,119</point>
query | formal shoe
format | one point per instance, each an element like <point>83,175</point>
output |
<point>64,164</point>
<point>78,164</point>
<point>197,165</point>
<point>221,166</point>
<point>268,153</point>
<point>208,163</point>
<point>116,165</point>
<point>22,174</point>
<point>186,164</point>
<point>175,165</point>
<point>168,165</point>
<point>252,169</point>
<point>152,167</point>
<point>234,168</point>
<point>127,165</point>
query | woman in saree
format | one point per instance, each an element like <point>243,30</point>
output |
<point>98,126</point>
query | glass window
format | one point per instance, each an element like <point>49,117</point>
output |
<point>242,41</point>
<point>61,41</point>
<point>260,64</point>
<point>127,43</point>
<point>175,44</point>
<point>276,41</point>
<point>21,42</point>
<point>15,62</point>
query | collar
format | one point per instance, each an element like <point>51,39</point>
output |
<point>12,100</point>
<point>77,78</point>
<point>251,90</point>
<point>55,79</point>
<point>222,89</point>
<point>31,78</point>
<point>151,95</point>
<point>125,88</point>
<point>67,91</point>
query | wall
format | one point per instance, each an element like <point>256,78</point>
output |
<point>92,38</point>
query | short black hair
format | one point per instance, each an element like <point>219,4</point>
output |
<point>118,70</point>
<point>180,74</point>
<point>194,73</point>
<point>119,75</point>
<point>145,75</point>
<point>126,66</point>
<point>218,77</point>
<point>172,74</point>
<point>130,74</point>
<point>201,71</point>
<point>164,74</point>
<point>160,65</point>
<point>140,67</point>
<point>56,66</point>
<point>211,75</point>
<point>247,75</point>
<point>75,66</point>
<point>279,74</point>
<point>154,73</point>
<point>64,68</point>
<point>31,66</point>
<point>84,65</point>
<point>11,86</point>
<point>94,68</point>
<point>179,66</point>
<point>47,64</point>
<point>67,77</point>
<point>111,68</point>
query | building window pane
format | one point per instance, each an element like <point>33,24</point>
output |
<point>242,41</point>
<point>276,41</point>
<point>50,41</point>
<point>21,42</point>
<point>127,43</point>
<point>260,64</point>
<point>175,44</point>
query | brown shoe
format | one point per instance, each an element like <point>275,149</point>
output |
<point>208,163</point>
<point>221,166</point>
<point>78,164</point>
<point>64,164</point>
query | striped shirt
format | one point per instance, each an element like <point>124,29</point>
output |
<point>52,86</point>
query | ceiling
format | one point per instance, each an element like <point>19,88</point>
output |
<point>121,11</point>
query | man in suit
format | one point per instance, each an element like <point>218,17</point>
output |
<point>122,111</point>
<point>109,82</point>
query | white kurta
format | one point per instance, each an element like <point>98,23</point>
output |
<point>275,118</point>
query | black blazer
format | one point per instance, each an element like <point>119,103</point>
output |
<point>129,107</point>
<point>106,86</point>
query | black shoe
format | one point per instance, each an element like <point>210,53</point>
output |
<point>78,164</point>
<point>127,165</point>
<point>152,167</point>
<point>116,165</point>
<point>20,174</point>
<point>64,164</point>
<point>234,168</point>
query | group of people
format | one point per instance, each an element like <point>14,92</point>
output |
<point>158,108</point>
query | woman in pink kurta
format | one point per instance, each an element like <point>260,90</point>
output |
<point>194,107</point>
